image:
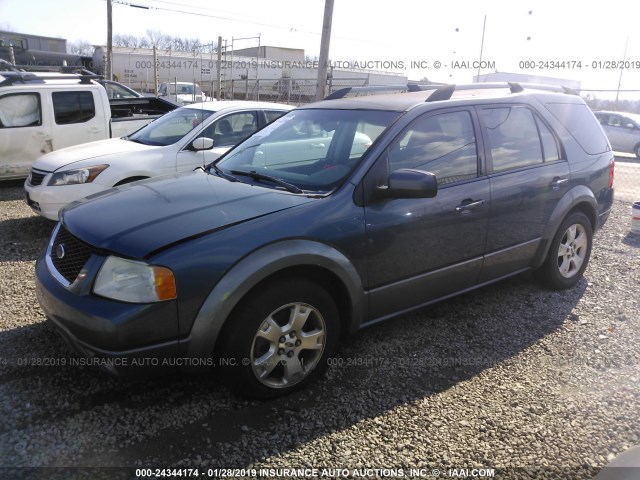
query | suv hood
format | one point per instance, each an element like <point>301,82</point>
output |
<point>137,219</point>
<point>86,151</point>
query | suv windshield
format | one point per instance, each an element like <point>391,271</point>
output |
<point>171,127</point>
<point>311,149</point>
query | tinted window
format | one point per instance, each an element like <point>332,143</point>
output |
<point>580,122</point>
<point>73,107</point>
<point>443,144</point>
<point>513,137</point>
<point>273,115</point>
<point>549,143</point>
<point>20,110</point>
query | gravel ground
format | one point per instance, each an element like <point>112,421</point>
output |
<point>534,383</point>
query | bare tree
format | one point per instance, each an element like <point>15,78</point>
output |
<point>81,47</point>
<point>164,42</point>
<point>158,39</point>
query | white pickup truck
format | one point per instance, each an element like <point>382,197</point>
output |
<point>42,112</point>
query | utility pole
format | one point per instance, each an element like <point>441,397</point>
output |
<point>107,70</point>
<point>219,71</point>
<point>484,27</point>
<point>324,50</point>
<point>624,57</point>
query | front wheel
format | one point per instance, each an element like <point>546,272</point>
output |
<point>279,339</point>
<point>568,254</point>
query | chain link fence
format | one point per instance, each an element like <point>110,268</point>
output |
<point>283,90</point>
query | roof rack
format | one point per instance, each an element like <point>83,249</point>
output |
<point>445,91</point>
<point>343,92</point>
<point>11,78</point>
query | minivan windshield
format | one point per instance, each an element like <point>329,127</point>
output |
<point>311,149</point>
<point>171,127</point>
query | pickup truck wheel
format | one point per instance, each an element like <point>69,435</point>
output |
<point>568,254</point>
<point>279,339</point>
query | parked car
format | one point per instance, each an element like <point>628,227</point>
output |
<point>623,130</point>
<point>42,112</point>
<point>183,93</point>
<point>260,266</point>
<point>180,141</point>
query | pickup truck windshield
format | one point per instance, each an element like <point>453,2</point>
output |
<point>171,127</point>
<point>312,149</point>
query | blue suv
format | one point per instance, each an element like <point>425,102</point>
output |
<point>338,215</point>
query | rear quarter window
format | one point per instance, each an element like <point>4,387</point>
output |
<point>582,124</point>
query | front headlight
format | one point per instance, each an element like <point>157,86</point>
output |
<point>74,177</point>
<point>134,282</point>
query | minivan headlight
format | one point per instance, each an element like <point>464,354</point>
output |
<point>75,177</point>
<point>134,282</point>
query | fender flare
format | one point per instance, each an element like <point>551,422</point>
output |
<point>577,196</point>
<point>256,267</point>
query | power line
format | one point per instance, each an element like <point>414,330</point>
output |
<point>219,17</point>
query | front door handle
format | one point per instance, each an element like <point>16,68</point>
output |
<point>467,205</point>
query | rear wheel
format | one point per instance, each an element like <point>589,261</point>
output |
<point>569,253</point>
<point>279,339</point>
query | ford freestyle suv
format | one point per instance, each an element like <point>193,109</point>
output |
<point>261,262</point>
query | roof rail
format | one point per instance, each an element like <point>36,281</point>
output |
<point>343,92</point>
<point>11,78</point>
<point>445,92</point>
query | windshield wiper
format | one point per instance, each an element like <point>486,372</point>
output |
<point>220,173</point>
<point>259,176</point>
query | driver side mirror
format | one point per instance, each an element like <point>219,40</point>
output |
<point>410,183</point>
<point>202,143</point>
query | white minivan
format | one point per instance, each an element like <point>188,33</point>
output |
<point>181,140</point>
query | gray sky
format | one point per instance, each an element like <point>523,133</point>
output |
<point>518,34</point>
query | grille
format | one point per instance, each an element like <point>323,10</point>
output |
<point>36,178</point>
<point>74,253</point>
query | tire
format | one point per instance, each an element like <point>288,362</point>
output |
<point>637,150</point>
<point>279,338</point>
<point>569,253</point>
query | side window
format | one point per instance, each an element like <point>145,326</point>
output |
<point>20,110</point>
<point>273,115</point>
<point>73,107</point>
<point>443,144</point>
<point>581,123</point>
<point>513,137</point>
<point>232,129</point>
<point>549,143</point>
<point>614,121</point>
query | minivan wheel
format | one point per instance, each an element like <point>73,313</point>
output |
<point>279,339</point>
<point>569,253</point>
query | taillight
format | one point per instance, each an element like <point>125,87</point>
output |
<point>612,167</point>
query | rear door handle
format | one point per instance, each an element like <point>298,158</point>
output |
<point>467,205</point>
<point>555,184</point>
